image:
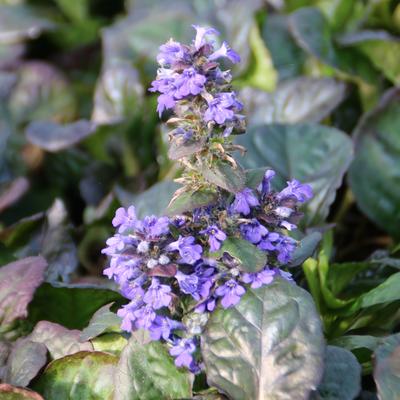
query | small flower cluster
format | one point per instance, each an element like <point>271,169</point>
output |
<point>158,261</point>
<point>191,82</point>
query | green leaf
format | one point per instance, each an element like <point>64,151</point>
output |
<point>287,57</point>
<point>254,177</point>
<point>224,175</point>
<point>59,341</point>
<point>386,292</point>
<point>76,10</point>
<point>54,137</point>
<point>342,375</point>
<point>148,372</point>
<point>312,33</point>
<point>18,282</point>
<point>112,343</point>
<point>69,305</point>
<point>269,346</point>
<point>81,376</point>
<point>9,392</point>
<point>376,163</point>
<point>103,320</point>
<point>119,94</point>
<point>300,152</point>
<point>152,201</point>
<point>248,256</point>
<point>188,201</point>
<point>305,248</point>
<point>353,342</point>
<point>387,368</point>
<point>25,361</point>
<point>303,99</point>
<point>380,47</point>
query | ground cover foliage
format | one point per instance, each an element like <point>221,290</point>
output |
<point>80,137</point>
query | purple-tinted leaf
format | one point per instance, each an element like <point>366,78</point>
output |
<point>54,137</point>
<point>59,341</point>
<point>18,282</point>
<point>25,361</point>
<point>13,192</point>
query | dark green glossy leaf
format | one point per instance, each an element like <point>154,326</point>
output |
<point>81,376</point>
<point>342,375</point>
<point>297,100</point>
<point>54,137</point>
<point>224,175</point>
<point>103,320</point>
<point>269,346</point>
<point>300,152</point>
<point>312,33</point>
<point>25,361</point>
<point>69,305</point>
<point>254,177</point>
<point>111,342</point>
<point>153,201</point>
<point>352,342</point>
<point>376,163</point>
<point>287,57</point>
<point>18,282</point>
<point>387,368</point>
<point>9,392</point>
<point>59,341</point>
<point>188,201</point>
<point>248,256</point>
<point>305,249</point>
<point>148,372</point>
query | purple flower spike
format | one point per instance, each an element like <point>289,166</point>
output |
<point>230,292</point>
<point>189,82</point>
<point>243,202</point>
<point>145,317</point>
<point>253,231</point>
<point>297,190</point>
<point>164,102</point>
<point>187,283</point>
<point>227,52</point>
<point>152,227</point>
<point>157,295</point>
<point>222,108</point>
<point>183,350</point>
<point>258,279</point>
<point>189,251</point>
<point>285,248</point>
<point>201,32</point>
<point>265,186</point>
<point>215,237</point>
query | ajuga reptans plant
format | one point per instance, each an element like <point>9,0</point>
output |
<point>222,232</point>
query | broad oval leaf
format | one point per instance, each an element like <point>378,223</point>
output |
<point>314,154</point>
<point>269,346</point>
<point>342,375</point>
<point>305,248</point>
<point>9,392</point>
<point>18,282</point>
<point>302,99</point>
<point>374,175</point>
<point>54,137</point>
<point>387,368</point>
<point>147,372</point>
<point>224,175</point>
<point>188,201</point>
<point>249,257</point>
<point>81,376</point>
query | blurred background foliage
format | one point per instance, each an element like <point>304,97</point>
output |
<point>79,135</point>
